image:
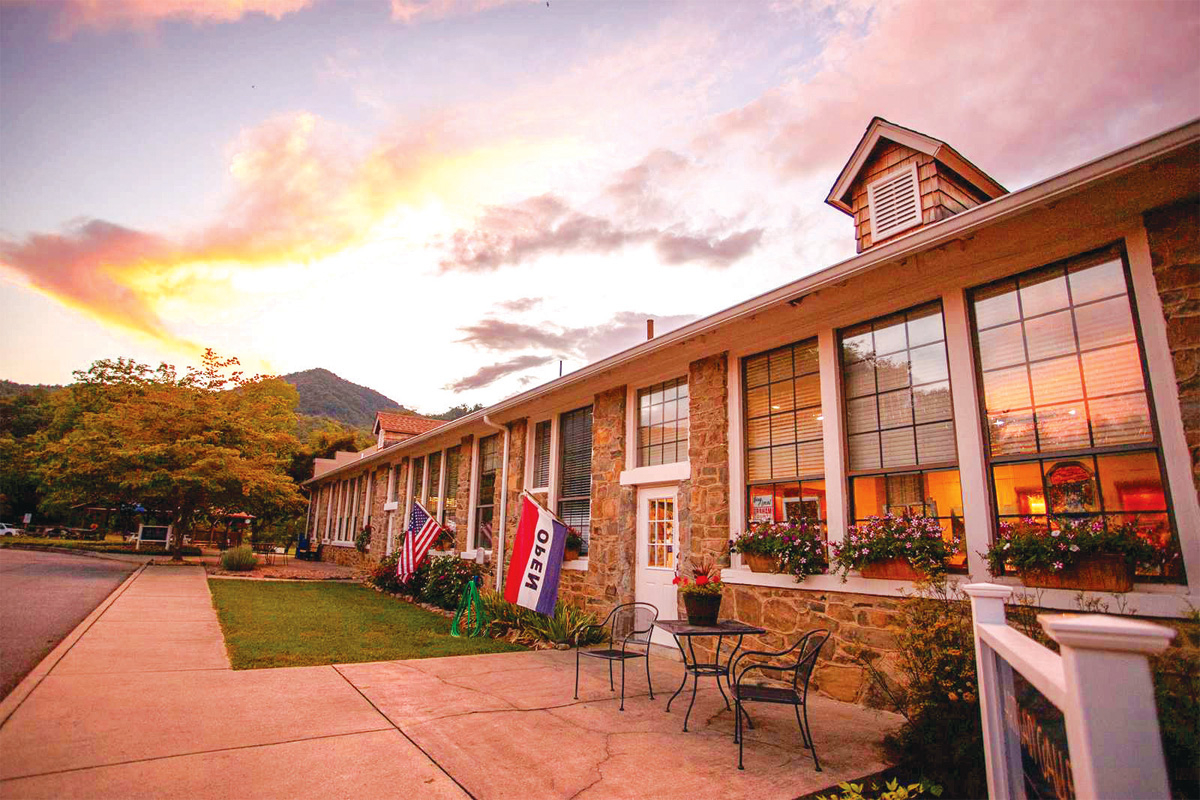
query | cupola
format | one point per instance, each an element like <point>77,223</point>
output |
<point>898,180</point>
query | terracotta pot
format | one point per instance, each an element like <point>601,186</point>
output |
<point>1099,573</point>
<point>702,609</point>
<point>570,554</point>
<point>761,563</point>
<point>895,569</point>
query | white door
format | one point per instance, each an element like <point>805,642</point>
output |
<point>658,547</point>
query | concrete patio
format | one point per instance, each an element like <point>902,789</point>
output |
<point>139,709</point>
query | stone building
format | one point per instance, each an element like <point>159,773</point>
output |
<point>987,355</point>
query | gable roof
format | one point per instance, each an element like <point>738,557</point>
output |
<point>394,422</point>
<point>839,196</point>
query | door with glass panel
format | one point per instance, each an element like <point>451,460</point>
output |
<point>658,547</point>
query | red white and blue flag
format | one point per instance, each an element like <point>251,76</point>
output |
<point>537,559</point>
<point>423,529</point>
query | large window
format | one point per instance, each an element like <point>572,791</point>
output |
<point>902,457</point>
<point>485,494</point>
<point>663,423</point>
<point>575,472</point>
<point>1068,413</point>
<point>541,455</point>
<point>450,500</point>
<point>785,462</point>
<point>435,477</point>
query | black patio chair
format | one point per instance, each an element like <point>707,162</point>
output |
<point>805,652</point>
<point>630,624</point>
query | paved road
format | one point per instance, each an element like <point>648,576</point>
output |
<point>43,596</point>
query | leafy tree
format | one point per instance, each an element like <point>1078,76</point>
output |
<point>23,414</point>
<point>210,440</point>
<point>455,412</point>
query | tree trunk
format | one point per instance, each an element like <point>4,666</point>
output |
<point>182,525</point>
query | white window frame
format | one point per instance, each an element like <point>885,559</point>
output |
<point>633,475</point>
<point>531,452</point>
<point>473,494</point>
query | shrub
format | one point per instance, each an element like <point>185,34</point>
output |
<point>443,587</point>
<point>529,627</point>
<point>238,559</point>
<point>917,539</point>
<point>362,542</point>
<point>892,791</point>
<point>384,575</point>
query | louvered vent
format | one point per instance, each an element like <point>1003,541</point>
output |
<point>895,204</point>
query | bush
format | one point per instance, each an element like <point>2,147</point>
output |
<point>892,791</point>
<point>919,540</point>
<point>384,576</point>
<point>238,559</point>
<point>362,542</point>
<point>447,575</point>
<point>529,627</point>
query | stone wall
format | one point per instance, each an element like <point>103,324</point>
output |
<point>462,513</point>
<point>1174,233</point>
<point>708,452</point>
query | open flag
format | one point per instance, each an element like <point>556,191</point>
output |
<point>537,557</point>
<point>423,529</point>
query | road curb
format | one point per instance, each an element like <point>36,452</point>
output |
<point>22,690</point>
<point>128,558</point>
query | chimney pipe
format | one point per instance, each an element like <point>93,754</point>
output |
<point>649,329</point>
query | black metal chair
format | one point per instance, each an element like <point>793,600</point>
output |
<point>805,651</point>
<point>631,624</point>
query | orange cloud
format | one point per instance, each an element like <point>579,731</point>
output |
<point>74,15</point>
<point>412,11</point>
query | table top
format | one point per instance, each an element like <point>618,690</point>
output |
<point>725,627</point>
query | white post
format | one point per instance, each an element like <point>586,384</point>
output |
<point>1001,744</point>
<point>1112,722</point>
<point>833,435</point>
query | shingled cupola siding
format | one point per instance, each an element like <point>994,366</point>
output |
<point>898,180</point>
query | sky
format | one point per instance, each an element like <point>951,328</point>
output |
<point>442,199</point>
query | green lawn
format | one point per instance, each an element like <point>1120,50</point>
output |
<point>304,624</point>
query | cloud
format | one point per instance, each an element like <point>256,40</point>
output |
<point>494,372</point>
<point>548,225</point>
<point>521,304</point>
<point>623,330</point>
<point>104,15</point>
<point>413,11</point>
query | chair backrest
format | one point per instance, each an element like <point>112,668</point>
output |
<point>632,622</point>
<point>806,659</point>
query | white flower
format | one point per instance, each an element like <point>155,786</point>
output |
<point>1054,533</point>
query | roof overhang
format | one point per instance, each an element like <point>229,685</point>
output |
<point>921,239</point>
<point>839,196</point>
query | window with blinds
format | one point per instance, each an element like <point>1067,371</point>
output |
<point>418,476</point>
<point>1066,402</point>
<point>541,455</point>
<point>450,499</point>
<point>485,493</point>
<point>900,422</point>
<point>663,423</point>
<point>575,472</point>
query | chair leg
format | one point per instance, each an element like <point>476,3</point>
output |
<point>611,687</point>
<point>803,733</point>
<point>648,681</point>
<point>816,761</point>
<point>576,673</point>
<point>622,684</point>
<point>741,736</point>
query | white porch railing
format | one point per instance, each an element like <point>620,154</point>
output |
<point>1101,683</point>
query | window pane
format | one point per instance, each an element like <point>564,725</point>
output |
<point>808,425</point>
<point>932,403</point>
<point>1113,370</point>
<point>899,448</point>
<point>1094,282</point>
<point>483,527</point>
<point>925,325</point>
<point>1012,433</point>
<point>895,409</point>
<point>1006,389</point>
<point>935,443</point>
<point>758,402</point>
<point>891,372</point>
<point>541,453</point>
<point>1019,489</point>
<point>1131,482</point>
<point>758,432</point>
<point>943,494</point>
<point>806,358</point>
<point>578,515</point>
<point>1043,293</point>
<point>861,415</point>
<point>783,396</point>
<point>758,465</point>
<point>1124,419</point>
<point>808,391</point>
<point>995,305</point>
<point>857,344</point>
<point>1001,347</point>
<point>1056,381</point>
<point>928,364</point>
<point>781,364</point>
<point>870,497</point>
<point>1071,486</point>
<point>811,456</point>
<point>783,429</point>
<point>783,461</point>
<point>1051,335</point>
<point>890,336</point>
<point>859,378</point>
<point>864,451</point>
<point>756,372</point>
<point>1062,427</point>
<point>1105,323</point>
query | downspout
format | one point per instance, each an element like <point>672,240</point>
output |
<point>498,545</point>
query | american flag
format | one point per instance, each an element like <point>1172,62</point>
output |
<point>423,529</point>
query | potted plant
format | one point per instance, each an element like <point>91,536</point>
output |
<point>796,547</point>
<point>899,548</point>
<point>702,594</point>
<point>573,546</point>
<point>1073,553</point>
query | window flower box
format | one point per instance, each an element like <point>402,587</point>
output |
<point>894,547</point>
<point>1095,573</point>
<point>1072,553</point>
<point>762,563</point>
<point>796,548</point>
<point>893,569</point>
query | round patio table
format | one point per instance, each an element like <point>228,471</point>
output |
<point>682,629</point>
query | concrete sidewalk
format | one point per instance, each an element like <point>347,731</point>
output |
<point>145,705</point>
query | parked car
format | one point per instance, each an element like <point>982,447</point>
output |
<point>9,530</point>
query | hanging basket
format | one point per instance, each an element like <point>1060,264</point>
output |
<point>1097,573</point>
<point>894,569</point>
<point>760,563</point>
<point>570,555</point>
<point>702,609</point>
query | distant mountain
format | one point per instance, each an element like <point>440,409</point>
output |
<point>10,388</point>
<point>324,394</point>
